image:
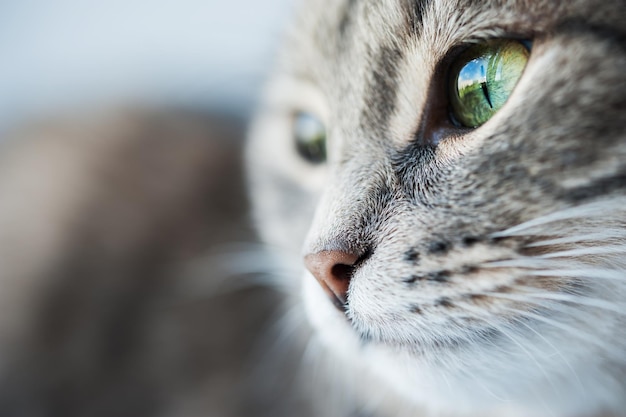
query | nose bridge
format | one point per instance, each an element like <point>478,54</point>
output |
<point>345,217</point>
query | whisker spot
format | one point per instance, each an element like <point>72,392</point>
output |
<point>444,302</point>
<point>415,309</point>
<point>470,240</point>
<point>468,269</point>
<point>438,247</point>
<point>413,279</point>
<point>438,276</point>
<point>412,255</point>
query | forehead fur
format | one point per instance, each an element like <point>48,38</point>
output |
<point>348,38</point>
<point>329,25</point>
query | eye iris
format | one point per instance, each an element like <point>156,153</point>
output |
<point>310,137</point>
<point>483,79</point>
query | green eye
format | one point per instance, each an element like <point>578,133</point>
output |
<point>310,137</point>
<point>483,78</point>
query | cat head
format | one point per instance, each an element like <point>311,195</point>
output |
<point>454,174</point>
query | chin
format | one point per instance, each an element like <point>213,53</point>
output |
<point>463,380</point>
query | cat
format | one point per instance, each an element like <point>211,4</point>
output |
<point>450,177</point>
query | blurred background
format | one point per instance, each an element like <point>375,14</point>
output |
<point>70,53</point>
<point>123,210</point>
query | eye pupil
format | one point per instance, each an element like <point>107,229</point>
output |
<point>483,78</point>
<point>486,93</point>
<point>310,137</point>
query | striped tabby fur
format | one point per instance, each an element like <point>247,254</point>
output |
<point>494,281</point>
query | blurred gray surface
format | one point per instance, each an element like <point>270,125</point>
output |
<point>101,212</point>
<point>101,218</point>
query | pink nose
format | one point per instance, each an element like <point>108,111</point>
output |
<point>333,270</point>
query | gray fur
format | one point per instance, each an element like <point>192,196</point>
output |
<point>454,308</point>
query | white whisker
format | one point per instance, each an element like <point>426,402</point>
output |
<point>232,268</point>
<point>563,298</point>
<point>592,250</point>
<point>596,209</point>
<point>570,330</point>
<point>589,273</point>
<point>554,348</point>
<point>504,330</point>
<point>541,267</point>
<point>604,236</point>
<point>523,262</point>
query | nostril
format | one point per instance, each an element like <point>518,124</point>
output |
<point>343,272</point>
<point>333,270</point>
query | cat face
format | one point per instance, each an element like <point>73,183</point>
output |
<point>483,262</point>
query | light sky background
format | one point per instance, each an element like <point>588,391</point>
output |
<point>59,55</point>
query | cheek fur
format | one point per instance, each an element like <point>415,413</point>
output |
<point>489,264</point>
